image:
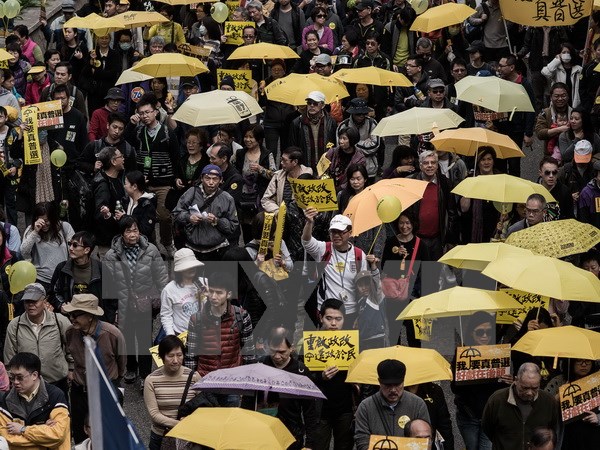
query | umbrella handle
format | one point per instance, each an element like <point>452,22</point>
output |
<point>375,240</point>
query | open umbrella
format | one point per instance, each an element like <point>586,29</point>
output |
<point>131,76</point>
<point>133,19</point>
<point>558,238</point>
<point>442,16</point>
<point>100,25</point>
<point>494,93</point>
<point>466,141</point>
<point>259,377</point>
<point>185,2</point>
<point>217,107</point>
<point>500,188</point>
<point>417,121</point>
<point>294,88</point>
<point>4,55</point>
<point>233,428</point>
<point>547,276</point>
<point>372,75</point>
<point>170,65</point>
<point>422,365</point>
<point>263,50</point>
<point>561,342</point>
<point>478,256</point>
<point>362,209</point>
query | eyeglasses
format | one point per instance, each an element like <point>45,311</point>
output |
<point>550,172</point>
<point>18,377</point>
<point>312,103</point>
<point>482,332</point>
<point>75,244</point>
<point>438,91</point>
<point>146,113</point>
<point>533,211</point>
<point>321,16</point>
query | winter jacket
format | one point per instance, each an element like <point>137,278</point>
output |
<point>273,196</point>
<point>336,170</point>
<point>544,121</point>
<point>570,176</point>
<point>107,192</point>
<point>270,31</point>
<point>144,212</point>
<point>46,255</point>
<point>566,145</point>
<point>394,28</point>
<point>76,97</point>
<point>87,159</point>
<point>33,90</point>
<point>265,160</point>
<point>405,97</point>
<point>588,210</point>
<point>533,44</point>
<point>297,20</point>
<point>7,98</point>
<point>368,144</point>
<point>301,136</point>
<point>555,72</point>
<point>19,70</point>
<point>325,39</point>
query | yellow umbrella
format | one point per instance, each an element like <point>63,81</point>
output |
<point>558,238</point>
<point>294,88</point>
<point>458,301</point>
<point>422,365</point>
<point>133,19</point>
<point>466,141</point>
<point>263,50</point>
<point>99,24</point>
<point>494,93</point>
<point>478,256</point>
<point>500,188</point>
<point>561,342</point>
<point>217,107</point>
<point>4,55</point>
<point>417,121</point>
<point>131,76</point>
<point>233,428</point>
<point>442,16</point>
<point>170,65</point>
<point>372,75</point>
<point>547,276</point>
<point>362,209</point>
<point>185,2</point>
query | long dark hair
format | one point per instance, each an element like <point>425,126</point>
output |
<point>349,171</point>
<point>542,317</point>
<point>586,125</point>
<point>401,152</point>
<point>49,209</point>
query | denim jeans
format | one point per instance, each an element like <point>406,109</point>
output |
<point>471,432</point>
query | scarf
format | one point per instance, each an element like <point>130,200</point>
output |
<point>131,254</point>
<point>314,151</point>
<point>44,191</point>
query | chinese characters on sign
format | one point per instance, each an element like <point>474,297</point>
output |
<point>580,396</point>
<point>423,329</point>
<point>543,13</point>
<point>33,153</point>
<point>235,30</point>
<point>528,300</point>
<point>241,78</point>
<point>49,115</point>
<point>319,194</point>
<point>323,349</point>
<point>482,362</point>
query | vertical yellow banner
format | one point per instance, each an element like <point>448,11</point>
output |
<point>33,153</point>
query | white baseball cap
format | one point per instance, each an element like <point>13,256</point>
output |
<point>340,223</point>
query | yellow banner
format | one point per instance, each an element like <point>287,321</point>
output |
<point>232,5</point>
<point>423,328</point>
<point>235,30</point>
<point>242,79</point>
<point>319,194</point>
<point>377,442</point>
<point>579,397</point>
<point>528,300</point>
<point>545,13</point>
<point>323,164</point>
<point>323,349</point>
<point>482,362</point>
<point>154,350</point>
<point>49,115</point>
<point>31,142</point>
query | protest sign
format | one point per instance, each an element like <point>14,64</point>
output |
<point>154,350</point>
<point>528,300</point>
<point>377,442</point>
<point>49,115</point>
<point>31,142</point>
<point>580,396</point>
<point>241,78</point>
<point>318,194</point>
<point>323,164</point>
<point>232,5</point>
<point>482,362</point>
<point>423,329</point>
<point>195,50</point>
<point>545,13</point>
<point>235,30</point>
<point>323,349</point>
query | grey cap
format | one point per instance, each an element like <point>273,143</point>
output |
<point>34,291</point>
<point>68,5</point>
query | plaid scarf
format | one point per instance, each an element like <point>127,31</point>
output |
<point>131,253</point>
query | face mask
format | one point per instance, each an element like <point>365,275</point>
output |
<point>125,46</point>
<point>565,57</point>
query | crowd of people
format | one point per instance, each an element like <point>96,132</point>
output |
<point>151,220</point>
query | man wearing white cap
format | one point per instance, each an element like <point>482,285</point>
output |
<point>314,130</point>
<point>343,261</point>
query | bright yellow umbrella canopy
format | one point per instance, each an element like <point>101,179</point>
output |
<point>233,428</point>
<point>494,93</point>
<point>417,121</point>
<point>458,301</point>
<point>4,55</point>
<point>263,50</point>
<point>185,2</point>
<point>294,88</point>
<point>422,365</point>
<point>442,16</point>
<point>557,239</point>
<point>478,256</point>
<point>466,141</point>
<point>500,188</point>
<point>217,107</point>
<point>372,75</point>
<point>170,65</point>
<point>132,19</point>
<point>561,342</point>
<point>362,209</point>
<point>99,24</point>
<point>547,276</point>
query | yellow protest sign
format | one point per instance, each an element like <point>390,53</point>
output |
<point>528,300</point>
<point>154,350</point>
<point>49,115</point>
<point>232,5</point>
<point>423,329</point>
<point>235,30</point>
<point>323,164</point>
<point>482,362</point>
<point>377,442</point>
<point>241,78</point>
<point>195,50</point>
<point>31,142</point>
<point>580,396</point>
<point>323,349</point>
<point>319,194</point>
<point>545,13</point>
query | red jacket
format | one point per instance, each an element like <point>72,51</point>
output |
<point>33,90</point>
<point>98,124</point>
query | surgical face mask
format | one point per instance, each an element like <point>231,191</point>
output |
<point>565,57</point>
<point>124,46</point>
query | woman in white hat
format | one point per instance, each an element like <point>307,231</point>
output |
<point>180,298</point>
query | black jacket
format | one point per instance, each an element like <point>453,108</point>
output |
<point>48,398</point>
<point>271,32</point>
<point>296,24</point>
<point>106,194</point>
<point>144,213</point>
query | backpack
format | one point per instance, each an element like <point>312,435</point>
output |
<point>475,32</point>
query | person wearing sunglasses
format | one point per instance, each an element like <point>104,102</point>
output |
<point>319,16</point>
<point>436,95</point>
<point>548,177</point>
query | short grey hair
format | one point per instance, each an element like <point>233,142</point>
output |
<point>424,42</point>
<point>528,368</point>
<point>255,5</point>
<point>242,12</point>
<point>538,197</point>
<point>157,40</point>
<point>428,154</point>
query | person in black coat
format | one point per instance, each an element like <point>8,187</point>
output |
<point>139,203</point>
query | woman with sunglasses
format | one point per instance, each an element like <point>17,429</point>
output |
<point>319,16</point>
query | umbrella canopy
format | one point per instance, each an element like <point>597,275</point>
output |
<point>4,55</point>
<point>185,2</point>
<point>99,24</point>
<point>131,76</point>
<point>417,121</point>
<point>217,107</point>
<point>259,377</point>
<point>362,209</point>
<point>557,239</point>
<point>170,65</point>
<point>263,50</point>
<point>547,276</point>
<point>422,365</point>
<point>132,19</point>
<point>494,93</point>
<point>372,75</point>
<point>233,428</point>
<point>466,141</point>
<point>458,301</point>
<point>500,188</point>
<point>478,256</point>
<point>561,342</point>
<point>442,16</point>
<point>294,88</point>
